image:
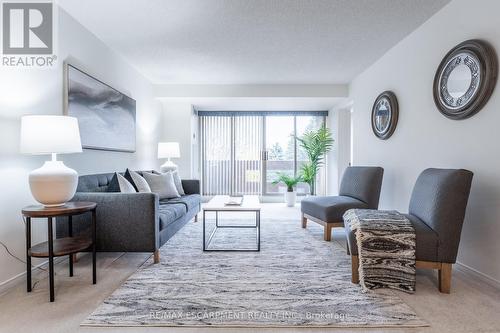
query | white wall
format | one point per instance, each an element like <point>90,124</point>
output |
<point>339,121</point>
<point>178,126</point>
<point>41,92</point>
<point>424,138</point>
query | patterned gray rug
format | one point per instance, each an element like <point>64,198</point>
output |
<point>296,280</point>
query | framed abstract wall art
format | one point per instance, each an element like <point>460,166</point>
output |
<point>107,117</point>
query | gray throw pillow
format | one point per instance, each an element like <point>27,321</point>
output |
<point>162,184</point>
<point>178,182</point>
<point>139,181</point>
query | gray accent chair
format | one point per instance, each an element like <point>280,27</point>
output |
<point>360,188</point>
<point>437,212</point>
<point>132,222</point>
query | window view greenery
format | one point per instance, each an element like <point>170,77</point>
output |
<point>285,155</point>
<point>316,144</point>
<point>245,154</point>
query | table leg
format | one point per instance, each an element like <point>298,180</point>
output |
<point>94,273</point>
<point>216,218</point>
<point>70,234</point>
<point>28,257</point>
<point>51,259</point>
<point>204,248</point>
<point>258,231</point>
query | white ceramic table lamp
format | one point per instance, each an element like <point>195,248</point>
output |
<point>168,150</point>
<point>54,183</point>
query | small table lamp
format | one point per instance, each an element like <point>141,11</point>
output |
<point>168,150</point>
<point>54,183</point>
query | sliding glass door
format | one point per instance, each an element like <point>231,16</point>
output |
<point>231,155</point>
<point>279,150</point>
<point>243,152</point>
<point>247,155</point>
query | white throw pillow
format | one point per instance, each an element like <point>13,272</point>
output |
<point>125,186</point>
<point>178,182</point>
<point>162,184</point>
<point>139,181</point>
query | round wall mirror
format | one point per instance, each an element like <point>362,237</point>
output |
<point>465,79</point>
<point>385,115</point>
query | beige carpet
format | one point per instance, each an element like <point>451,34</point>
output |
<point>297,280</point>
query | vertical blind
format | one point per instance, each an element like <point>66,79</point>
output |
<point>233,144</point>
<point>231,154</point>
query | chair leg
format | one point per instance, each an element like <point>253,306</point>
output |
<point>304,221</point>
<point>156,256</point>
<point>355,269</point>
<point>196,218</point>
<point>445,278</point>
<point>328,232</point>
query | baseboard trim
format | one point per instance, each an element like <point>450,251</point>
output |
<point>6,285</point>
<point>478,275</point>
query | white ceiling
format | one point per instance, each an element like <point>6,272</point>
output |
<point>251,41</point>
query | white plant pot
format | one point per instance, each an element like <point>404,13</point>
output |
<point>53,184</point>
<point>290,198</point>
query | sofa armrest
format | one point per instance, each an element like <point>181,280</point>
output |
<point>125,221</point>
<point>191,186</point>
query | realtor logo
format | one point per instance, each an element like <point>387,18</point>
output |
<point>28,29</point>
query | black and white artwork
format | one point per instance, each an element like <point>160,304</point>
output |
<point>106,116</point>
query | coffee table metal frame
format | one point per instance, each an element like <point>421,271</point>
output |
<point>206,243</point>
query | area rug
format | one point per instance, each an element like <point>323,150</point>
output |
<point>296,280</point>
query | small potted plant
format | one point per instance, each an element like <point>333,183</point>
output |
<point>290,182</point>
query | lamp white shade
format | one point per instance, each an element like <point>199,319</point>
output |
<point>53,184</point>
<point>50,134</point>
<point>168,150</point>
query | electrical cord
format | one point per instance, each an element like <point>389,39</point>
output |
<point>42,269</point>
<point>16,257</point>
<point>24,262</point>
<point>19,259</point>
<point>11,254</point>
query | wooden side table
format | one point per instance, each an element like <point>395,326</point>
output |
<point>61,246</point>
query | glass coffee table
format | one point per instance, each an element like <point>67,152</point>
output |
<point>217,204</point>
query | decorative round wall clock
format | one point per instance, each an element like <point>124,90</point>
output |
<point>465,79</point>
<point>385,114</point>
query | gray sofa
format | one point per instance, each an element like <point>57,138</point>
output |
<point>132,222</point>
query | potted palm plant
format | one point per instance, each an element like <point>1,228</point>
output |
<point>316,144</point>
<point>290,182</point>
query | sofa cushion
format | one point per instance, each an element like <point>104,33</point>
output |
<point>162,184</point>
<point>178,182</point>
<point>329,208</point>
<point>120,184</point>
<point>170,213</point>
<point>426,240</point>
<point>140,184</point>
<point>96,182</point>
<point>190,201</point>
